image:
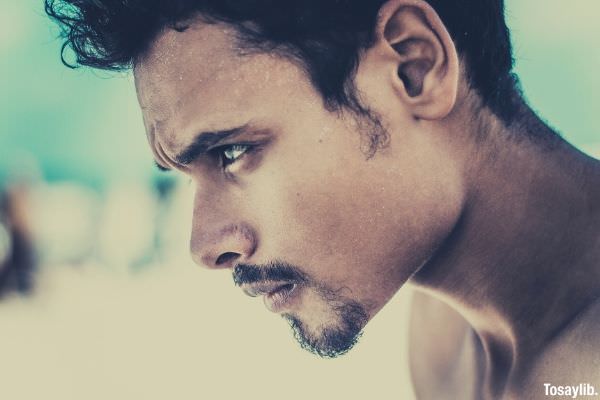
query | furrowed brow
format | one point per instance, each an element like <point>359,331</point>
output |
<point>203,142</point>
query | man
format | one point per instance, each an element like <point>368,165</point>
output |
<point>341,149</point>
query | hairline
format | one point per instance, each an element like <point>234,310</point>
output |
<point>373,133</point>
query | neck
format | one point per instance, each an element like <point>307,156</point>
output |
<point>519,264</point>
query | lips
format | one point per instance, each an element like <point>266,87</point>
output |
<point>277,295</point>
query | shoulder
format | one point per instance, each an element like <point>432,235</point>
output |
<point>443,350</point>
<point>435,326</point>
<point>573,358</point>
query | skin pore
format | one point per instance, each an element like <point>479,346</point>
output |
<point>504,230</point>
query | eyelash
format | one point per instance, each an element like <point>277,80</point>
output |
<point>225,162</point>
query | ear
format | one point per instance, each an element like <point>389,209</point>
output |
<point>423,57</point>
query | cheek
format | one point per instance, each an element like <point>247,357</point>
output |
<point>351,222</point>
<point>337,225</point>
<point>303,223</point>
<point>360,214</point>
<point>350,235</point>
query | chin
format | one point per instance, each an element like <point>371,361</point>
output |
<point>332,338</point>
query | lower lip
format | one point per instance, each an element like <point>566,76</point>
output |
<point>282,298</point>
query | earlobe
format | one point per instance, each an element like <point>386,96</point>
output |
<point>426,62</point>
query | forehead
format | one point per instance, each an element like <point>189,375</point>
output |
<point>164,71</point>
<point>202,73</point>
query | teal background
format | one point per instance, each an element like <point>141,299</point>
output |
<point>85,125</point>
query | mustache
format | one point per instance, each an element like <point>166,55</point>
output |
<point>273,271</point>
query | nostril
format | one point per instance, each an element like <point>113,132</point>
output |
<point>226,258</point>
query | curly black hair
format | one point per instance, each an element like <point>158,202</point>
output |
<point>325,36</point>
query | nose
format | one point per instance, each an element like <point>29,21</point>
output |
<point>223,247</point>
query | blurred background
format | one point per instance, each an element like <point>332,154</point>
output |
<point>98,298</point>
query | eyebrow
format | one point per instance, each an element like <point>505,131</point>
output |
<point>201,144</point>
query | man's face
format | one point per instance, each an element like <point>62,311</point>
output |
<point>285,197</point>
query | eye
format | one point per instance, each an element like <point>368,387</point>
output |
<point>231,153</point>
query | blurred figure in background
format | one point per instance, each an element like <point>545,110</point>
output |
<point>17,258</point>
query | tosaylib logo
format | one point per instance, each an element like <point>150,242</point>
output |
<point>574,392</point>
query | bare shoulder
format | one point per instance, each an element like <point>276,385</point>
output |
<point>436,329</point>
<point>442,351</point>
<point>573,359</point>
